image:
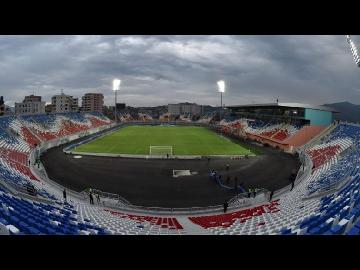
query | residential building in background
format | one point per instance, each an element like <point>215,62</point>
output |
<point>186,108</point>
<point>31,105</point>
<point>64,103</point>
<point>92,102</point>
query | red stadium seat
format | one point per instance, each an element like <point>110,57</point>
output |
<point>226,220</point>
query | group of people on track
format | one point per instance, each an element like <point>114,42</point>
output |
<point>91,196</point>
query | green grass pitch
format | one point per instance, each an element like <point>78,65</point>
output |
<point>185,140</point>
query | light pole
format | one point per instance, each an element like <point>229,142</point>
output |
<point>221,89</point>
<point>354,50</point>
<point>116,87</point>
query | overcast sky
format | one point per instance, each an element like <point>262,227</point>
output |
<point>157,70</point>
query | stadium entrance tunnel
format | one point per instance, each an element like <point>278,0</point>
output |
<point>150,182</point>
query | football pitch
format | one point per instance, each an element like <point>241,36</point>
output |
<point>184,140</point>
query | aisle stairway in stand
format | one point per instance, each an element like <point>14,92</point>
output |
<point>304,135</point>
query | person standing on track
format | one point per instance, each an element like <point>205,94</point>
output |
<point>91,197</point>
<point>292,179</point>
<point>64,195</point>
<point>292,183</point>
<point>226,205</point>
<point>271,195</point>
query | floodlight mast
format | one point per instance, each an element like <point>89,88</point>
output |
<point>221,100</point>
<point>221,89</point>
<point>116,87</point>
<point>354,50</point>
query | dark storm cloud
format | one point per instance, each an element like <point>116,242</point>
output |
<point>162,69</point>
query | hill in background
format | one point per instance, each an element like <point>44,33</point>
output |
<point>347,111</point>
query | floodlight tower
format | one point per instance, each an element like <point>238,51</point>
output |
<point>116,87</point>
<point>354,50</point>
<point>221,89</point>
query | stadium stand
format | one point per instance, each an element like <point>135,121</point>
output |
<point>20,135</point>
<point>39,218</point>
<point>325,201</point>
<point>206,118</point>
<point>277,131</point>
<point>284,136</point>
<point>49,127</point>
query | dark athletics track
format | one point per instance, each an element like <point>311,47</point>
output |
<point>150,182</point>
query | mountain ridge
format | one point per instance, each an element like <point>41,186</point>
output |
<point>347,111</point>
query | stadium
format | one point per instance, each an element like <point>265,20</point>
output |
<point>254,169</point>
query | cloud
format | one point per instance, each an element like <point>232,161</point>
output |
<point>157,70</point>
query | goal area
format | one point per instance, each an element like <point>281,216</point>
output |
<point>156,150</point>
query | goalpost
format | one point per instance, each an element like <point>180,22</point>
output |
<point>165,151</point>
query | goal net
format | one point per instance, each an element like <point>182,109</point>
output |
<point>160,150</point>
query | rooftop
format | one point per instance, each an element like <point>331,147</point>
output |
<point>289,105</point>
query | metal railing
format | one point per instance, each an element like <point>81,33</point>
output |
<point>12,187</point>
<point>302,174</point>
<point>22,192</point>
<point>112,200</point>
<point>330,189</point>
<point>118,200</point>
<point>172,211</point>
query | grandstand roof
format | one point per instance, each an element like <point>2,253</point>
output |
<point>291,105</point>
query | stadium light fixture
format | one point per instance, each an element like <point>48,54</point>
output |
<point>116,87</point>
<point>221,86</point>
<point>116,84</point>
